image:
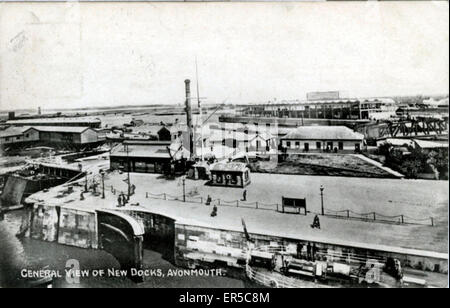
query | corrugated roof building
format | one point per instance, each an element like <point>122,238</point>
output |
<point>85,122</point>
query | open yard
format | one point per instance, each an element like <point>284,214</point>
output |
<point>415,198</point>
<point>322,164</point>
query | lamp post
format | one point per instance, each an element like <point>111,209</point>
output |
<point>128,173</point>
<point>184,188</point>
<point>321,199</point>
<point>102,173</point>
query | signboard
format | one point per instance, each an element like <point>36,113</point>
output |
<point>293,205</point>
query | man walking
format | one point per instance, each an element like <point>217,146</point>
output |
<point>316,222</point>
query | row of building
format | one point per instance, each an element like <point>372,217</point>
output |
<point>325,105</point>
<point>224,144</point>
<point>74,136</point>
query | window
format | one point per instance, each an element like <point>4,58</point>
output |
<point>258,144</point>
<point>27,135</point>
<point>306,146</point>
<point>340,145</point>
<point>329,145</point>
<point>297,144</point>
<point>318,145</point>
<point>288,144</point>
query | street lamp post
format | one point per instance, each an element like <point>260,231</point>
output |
<point>128,173</point>
<point>321,199</point>
<point>102,172</point>
<point>184,188</point>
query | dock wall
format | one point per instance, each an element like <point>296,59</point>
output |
<point>193,245</point>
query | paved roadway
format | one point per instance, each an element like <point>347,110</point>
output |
<point>419,199</point>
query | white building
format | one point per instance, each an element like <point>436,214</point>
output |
<point>322,139</point>
<point>261,142</point>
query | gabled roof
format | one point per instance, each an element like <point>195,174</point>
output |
<point>62,129</point>
<point>323,133</point>
<point>155,129</point>
<point>234,166</point>
<point>14,131</point>
<point>53,120</point>
<point>219,135</point>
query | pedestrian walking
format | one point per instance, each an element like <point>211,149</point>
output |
<point>316,222</point>
<point>214,211</point>
<point>244,195</point>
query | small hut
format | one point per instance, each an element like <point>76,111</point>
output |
<point>230,174</point>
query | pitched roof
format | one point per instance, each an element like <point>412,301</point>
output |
<point>427,144</point>
<point>14,131</point>
<point>219,135</point>
<point>141,150</point>
<point>234,166</point>
<point>54,120</point>
<point>323,133</point>
<point>62,129</point>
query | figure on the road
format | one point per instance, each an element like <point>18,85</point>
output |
<point>316,222</point>
<point>120,199</point>
<point>244,195</point>
<point>208,200</point>
<point>214,211</point>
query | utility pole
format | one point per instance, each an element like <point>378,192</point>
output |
<point>321,199</point>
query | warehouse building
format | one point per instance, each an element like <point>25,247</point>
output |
<point>322,139</point>
<point>324,105</point>
<point>14,135</point>
<point>81,122</point>
<point>70,137</point>
<point>148,157</point>
<point>67,134</point>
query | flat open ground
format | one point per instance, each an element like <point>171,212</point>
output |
<point>323,164</point>
<point>417,198</point>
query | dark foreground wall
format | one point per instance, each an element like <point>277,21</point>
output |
<point>196,246</point>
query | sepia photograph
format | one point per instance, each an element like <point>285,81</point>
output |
<point>230,145</point>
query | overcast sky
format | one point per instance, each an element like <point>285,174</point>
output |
<point>79,55</point>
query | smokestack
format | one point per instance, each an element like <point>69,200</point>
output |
<point>189,114</point>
